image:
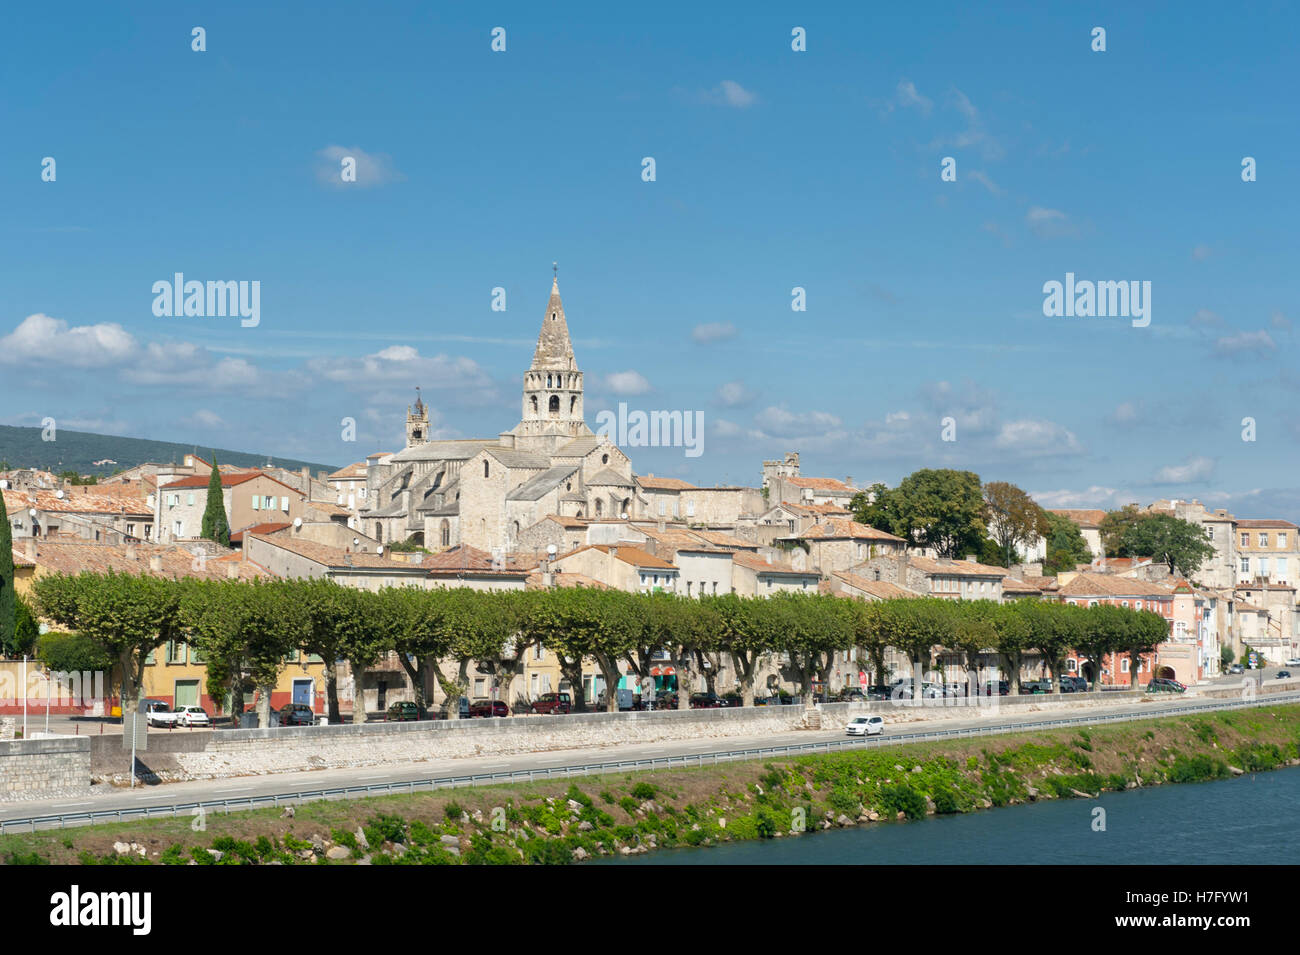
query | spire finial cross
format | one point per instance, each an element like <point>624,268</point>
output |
<point>555,267</point>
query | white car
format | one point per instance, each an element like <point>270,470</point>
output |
<point>865,726</point>
<point>161,715</point>
<point>193,716</point>
<point>1293,662</point>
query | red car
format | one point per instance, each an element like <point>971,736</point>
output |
<point>550,704</point>
<point>489,708</point>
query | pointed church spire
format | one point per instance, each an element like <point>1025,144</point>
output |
<point>554,349</point>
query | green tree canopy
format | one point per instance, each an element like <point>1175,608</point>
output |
<point>943,509</point>
<point>1066,547</point>
<point>1177,543</point>
<point>1014,520</point>
<point>216,525</point>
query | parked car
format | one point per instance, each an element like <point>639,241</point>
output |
<point>1284,674</point>
<point>706,701</point>
<point>865,726</point>
<point>160,714</point>
<point>403,711</point>
<point>1000,687</point>
<point>488,708</point>
<point>297,714</point>
<point>193,716</point>
<point>148,706</point>
<point>550,704</point>
<point>1165,685</point>
<point>1035,687</point>
<point>1236,668</point>
<point>850,695</point>
<point>877,693</point>
<point>1074,684</point>
<point>1293,662</point>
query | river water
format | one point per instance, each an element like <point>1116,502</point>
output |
<point>1253,819</point>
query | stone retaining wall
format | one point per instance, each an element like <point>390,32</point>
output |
<point>44,768</point>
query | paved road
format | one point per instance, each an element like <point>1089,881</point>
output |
<point>239,788</point>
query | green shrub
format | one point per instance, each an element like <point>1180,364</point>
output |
<point>26,858</point>
<point>644,791</point>
<point>608,796</point>
<point>578,796</point>
<point>1193,769</point>
<point>453,810</point>
<point>385,828</point>
<point>844,800</point>
<point>294,844</point>
<point>900,797</point>
<point>629,805</point>
<point>945,801</point>
<point>341,836</point>
<point>174,854</point>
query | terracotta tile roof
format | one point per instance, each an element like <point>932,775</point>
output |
<point>1084,517</point>
<point>882,589</point>
<point>21,559</point>
<point>829,508</point>
<point>628,553</point>
<point>328,507</point>
<point>569,523</point>
<point>1040,583</point>
<point>843,528</point>
<point>177,562</point>
<point>332,557</point>
<point>534,581</point>
<point>464,558</point>
<point>268,528</point>
<point>1109,585</point>
<point>956,568</point>
<point>729,541</point>
<point>351,472</point>
<point>819,484</point>
<point>759,564</point>
<point>50,502</point>
<point>228,479</point>
<point>1014,585</point>
<point>663,484</point>
<point>1265,525</point>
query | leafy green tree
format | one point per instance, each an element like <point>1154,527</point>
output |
<point>746,633</point>
<point>8,618</point>
<point>1104,632</point>
<point>943,509</point>
<point>1177,543</point>
<point>1146,631</point>
<point>1015,638</point>
<point>1066,547</point>
<point>973,633</point>
<point>336,619</point>
<point>1225,656</point>
<point>128,616</point>
<point>1114,525</point>
<point>873,507</point>
<point>809,628</point>
<point>72,653</point>
<point>216,525</point>
<point>1014,520</point>
<point>26,628</point>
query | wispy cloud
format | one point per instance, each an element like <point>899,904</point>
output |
<point>710,332</point>
<point>1258,344</point>
<point>909,97</point>
<point>1049,223</point>
<point>628,382</point>
<point>1196,468</point>
<point>372,169</point>
<point>729,93</point>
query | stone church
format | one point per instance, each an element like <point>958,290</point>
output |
<point>485,492</point>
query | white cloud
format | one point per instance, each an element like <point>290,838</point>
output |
<point>730,93</point>
<point>783,423</point>
<point>733,394</point>
<point>53,342</point>
<point>1034,437</point>
<point>711,332</point>
<point>982,178</point>
<point>909,97</point>
<point>1124,413</point>
<point>206,419</point>
<point>1049,223</point>
<point>627,383</point>
<point>1095,495</point>
<point>1204,318</point>
<point>1278,320</point>
<point>1196,468</point>
<point>372,169</point>
<point>973,408</point>
<point>1258,343</point>
<point>1201,252</point>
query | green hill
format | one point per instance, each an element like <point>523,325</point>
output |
<point>79,450</point>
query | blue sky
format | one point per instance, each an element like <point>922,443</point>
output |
<point>774,169</point>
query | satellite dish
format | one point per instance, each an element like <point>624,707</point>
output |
<point>297,522</point>
<point>356,541</point>
<point>550,549</point>
<point>4,485</point>
<point>379,549</point>
<point>624,515</point>
<point>59,495</point>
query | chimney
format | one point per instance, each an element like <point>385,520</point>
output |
<point>155,564</point>
<point>848,479</point>
<point>232,569</point>
<point>131,552</point>
<point>306,476</point>
<point>902,570</point>
<point>31,548</point>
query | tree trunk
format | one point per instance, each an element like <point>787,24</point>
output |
<point>332,693</point>
<point>685,680</point>
<point>415,673</point>
<point>744,666</point>
<point>264,705</point>
<point>130,684</point>
<point>609,670</point>
<point>573,673</point>
<point>358,695</point>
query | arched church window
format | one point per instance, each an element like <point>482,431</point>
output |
<point>446,533</point>
<point>555,404</point>
<point>599,507</point>
<point>534,400</point>
<point>573,404</point>
<point>548,381</point>
<point>604,459</point>
<point>485,469</point>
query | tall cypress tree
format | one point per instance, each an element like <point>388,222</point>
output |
<point>7,618</point>
<point>216,526</point>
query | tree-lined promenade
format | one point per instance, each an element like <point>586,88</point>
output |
<point>245,630</point>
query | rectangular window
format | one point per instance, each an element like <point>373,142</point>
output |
<point>1123,665</point>
<point>175,652</point>
<point>478,688</point>
<point>690,508</point>
<point>1281,540</point>
<point>1245,540</point>
<point>1263,566</point>
<point>176,528</point>
<point>661,508</point>
<point>284,504</point>
<point>189,499</point>
<point>1245,565</point>
<point>256,502</point>
<point>1263,539</point>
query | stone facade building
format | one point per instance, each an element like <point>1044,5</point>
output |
<point>487,492</point>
